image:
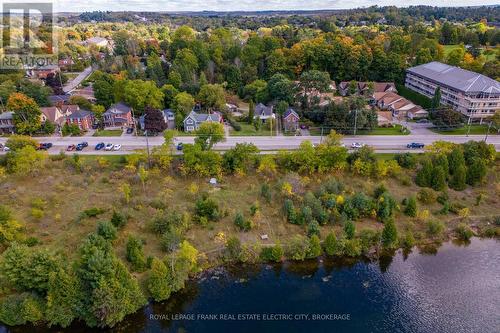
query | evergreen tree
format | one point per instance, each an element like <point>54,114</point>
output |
<point>424,174</point>
<point>330,244</point>
<point>251,112</point>
<point>459,177</point>
<point>436,99</point>
<point>476,171</point>
<point>63,298</point>
<point>349,229</point>
<point>135,254</point>
<point>158,281</point>
<point>411,207</point>
<point>314,249</point>
<point>438,181</point>
<point>389,234</point>
<point>456,159</point>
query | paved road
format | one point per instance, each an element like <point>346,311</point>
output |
<point>77,80</point>
<point>379,142</point>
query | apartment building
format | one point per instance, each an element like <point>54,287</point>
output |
<point>474,95</point>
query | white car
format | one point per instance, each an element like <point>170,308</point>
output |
<point>117,147</point>
<point>109,146</point>
<point>356,145</point>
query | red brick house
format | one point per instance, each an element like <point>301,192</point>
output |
<point>290,120</point>
<point>118,115</point>
<point>83,118</point>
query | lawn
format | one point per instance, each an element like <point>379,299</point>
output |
<point>108,133</point>
<point>474,129</point>
<point>249,130</point>
<point>396,130</point>
<point>488,56</point>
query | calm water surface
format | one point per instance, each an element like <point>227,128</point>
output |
<point>456,289</point>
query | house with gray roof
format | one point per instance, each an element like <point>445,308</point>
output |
<point>193,120</point>
<point>263,112</point>
<point>290,120</point>
<point>473,94</point>
<point>118,115</point>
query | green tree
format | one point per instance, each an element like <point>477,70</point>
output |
<point>411,207</point>
<point>389,234</point>
<point>17,142</point>
<point>158,281</point>
<point>476,172</point>
<point>208,134</point>
<point>135,254</point>
<point>424,174</point>
<point>459,178</point>
<point>349,229</point>
<point>436,99</point>
<point>212,97</point>
<point>26,161</point>
<point>26,113</point>
<point>63,298</point>
<point>251,112</point>
<point>438,180</point>
<point>169,93</point>
<point>240,159</point>
<point>183,103</point>
<point>106,230</point>
<point>314,249</point>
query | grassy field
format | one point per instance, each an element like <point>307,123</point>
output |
<point>489,56</point>
<point>474,129</point>
<point>249,130</point>
<point>66,193</point>
<point>108,133</point>
<point>396,130</point>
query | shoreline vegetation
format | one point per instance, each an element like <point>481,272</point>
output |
<point>93,239</point>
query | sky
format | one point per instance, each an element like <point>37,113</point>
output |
<point>247,5</point>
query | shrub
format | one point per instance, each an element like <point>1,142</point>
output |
<point>37,213</point>
<point>456,207</point>
<point>106,230</point>
<point>170,240</point>
<point>408,241</point>
<point>135,254</point>
<point>411,207</point>
<point>298,247</point>
<point>20,309</point>
<point>91,212</point>
<point>349,229</point>
<point>290,213</point>
<point>265,192</point>
<point>242,223</point>
<point>165,222</point>
<point>352,248</point>
<point>464,232</point>
<point>385,206</point>
<point>368,239</point>
<point>435,228</point>
<point>314,249</point>
<point>389,235</point>
<point>426,196</point>
<point>254,208</point>
<point>333,247</point>
<point>313,229</point>
<point>379,190</point>
<point>233,250</point>
<point>272,253</point>
<point>208,208</point>
<point>443,197</point>
<point>438,180</point>
<point>406,160</point>
<point>118,220</point>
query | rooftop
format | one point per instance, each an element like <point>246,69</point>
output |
<point>456,78</point>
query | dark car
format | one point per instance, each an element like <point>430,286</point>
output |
<point>415,145</point>
<point>45,146</point>
<point>99,146</point>
<point>130,130</point>
<point>180,146</point>
<point>82,145</point>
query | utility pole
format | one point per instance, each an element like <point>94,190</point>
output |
<point>468,125</point>
<point>147,147</point>
<point>321,138</point>
<point>488,131</point>
<point>355,120</point>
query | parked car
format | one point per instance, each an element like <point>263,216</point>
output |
<point>99,146</point>
<point>415,145</point>
<point>82,145</point>
<point>180,146</point>
<point>109,146</point>
<point>357,145</point>
<point>45,146</point>
<point>6,148</point>
<point>423,121</point>
<point>71,148</point>
<point>130,130</point>
<point>117,147</point>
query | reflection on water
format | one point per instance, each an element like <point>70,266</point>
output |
<point>456,289</point>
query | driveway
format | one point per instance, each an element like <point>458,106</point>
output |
<point>71,85</point>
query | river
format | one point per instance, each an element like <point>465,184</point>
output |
<point>456,289</point>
